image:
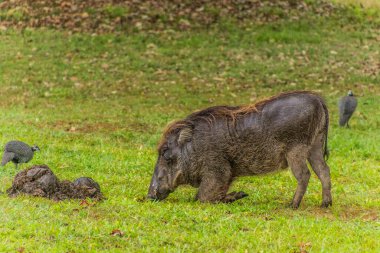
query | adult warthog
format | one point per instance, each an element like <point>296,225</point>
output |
<point>211,147</point>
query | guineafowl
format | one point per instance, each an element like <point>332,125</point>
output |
<point>347,106</point>
<point>18,152</point>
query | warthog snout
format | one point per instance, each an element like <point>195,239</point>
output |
<point>157,194</point>
<point>158,189</point>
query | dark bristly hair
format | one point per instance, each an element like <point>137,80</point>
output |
<point>229,112</point>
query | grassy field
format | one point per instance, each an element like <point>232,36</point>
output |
<point>364,3</point>
<point>96,106</point>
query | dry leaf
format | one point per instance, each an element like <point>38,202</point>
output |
<point>84,203</point>
<point>304,246</point>
<point>21,250</point>
<point>117,232</point>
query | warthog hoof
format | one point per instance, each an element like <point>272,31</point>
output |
<point>326,204</point>
<point>240,195</point>
<point>294,205</point>
<point>233,196</point>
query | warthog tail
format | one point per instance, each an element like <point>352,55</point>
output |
<point>326,151</point>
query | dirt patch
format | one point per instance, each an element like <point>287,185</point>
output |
<point>95,127</point>
<point>40,181</point>
<point>354,212</point>
<point>80,127</point>
<point>348,213</point>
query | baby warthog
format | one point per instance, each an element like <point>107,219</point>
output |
<point>211,147</point>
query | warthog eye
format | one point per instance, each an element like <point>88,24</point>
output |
<point>167,155</point>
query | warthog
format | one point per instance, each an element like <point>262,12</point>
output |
<point>211,147</point>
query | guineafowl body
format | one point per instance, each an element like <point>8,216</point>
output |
<point>18,152</point>
<point>347,106</point>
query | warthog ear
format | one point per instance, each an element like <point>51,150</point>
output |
<point>185,135</point>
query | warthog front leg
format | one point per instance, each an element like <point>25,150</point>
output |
<point>233,196</point>
<point>218,193</point>
<point>213,188</point>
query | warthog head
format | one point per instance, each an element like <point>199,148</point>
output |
<point>168,172</point>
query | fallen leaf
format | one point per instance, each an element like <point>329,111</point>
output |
<point>84,203</point>
<point>117,232</point>
<point>304,246</point>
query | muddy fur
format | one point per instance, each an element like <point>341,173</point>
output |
<point>40,181</point>
<point>211,147</point>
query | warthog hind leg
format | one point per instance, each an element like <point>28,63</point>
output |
<point>297,161</point>
<point>322,170</point>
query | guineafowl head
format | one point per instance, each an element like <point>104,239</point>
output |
<point>35,148</point>
<point>350,93</point>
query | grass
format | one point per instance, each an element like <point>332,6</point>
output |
<point>364,3</point>
<point>96,106</point>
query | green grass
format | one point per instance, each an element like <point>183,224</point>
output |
<point>96,106</point>
<point>365,3</point>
